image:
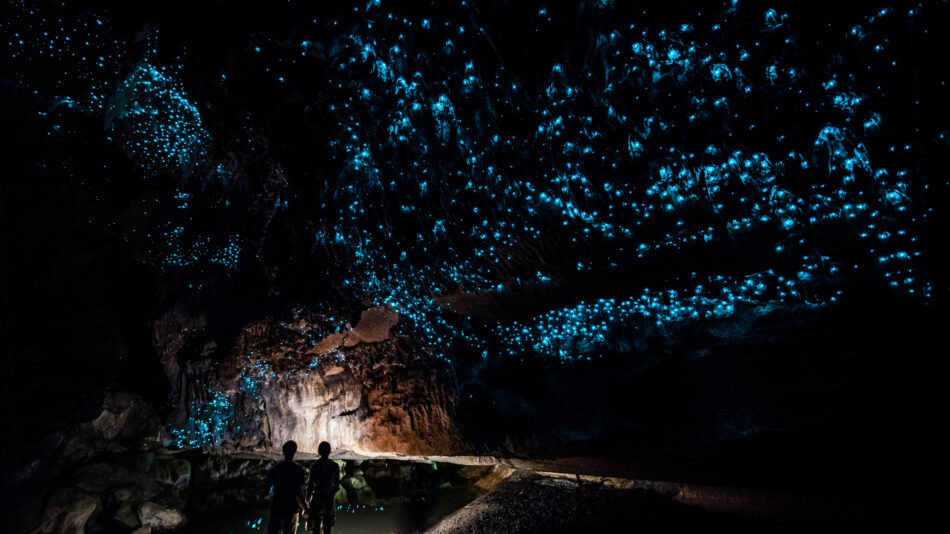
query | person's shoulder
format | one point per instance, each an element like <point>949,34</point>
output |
<point>290,470</point>
<point>325,463</point>
<point>290,467</point>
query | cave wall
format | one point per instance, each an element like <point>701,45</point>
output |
<point>706,236</point>
<point>366,390</point>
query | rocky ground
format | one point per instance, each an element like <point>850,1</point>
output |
<point>117,473</point>
<point>528,502</point>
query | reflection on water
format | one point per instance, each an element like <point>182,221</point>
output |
<point>350,519</point>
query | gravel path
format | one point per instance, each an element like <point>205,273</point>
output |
<point>528,502</point>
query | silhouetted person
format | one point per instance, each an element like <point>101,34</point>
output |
<point>287,479</point>
<point>321,490</point>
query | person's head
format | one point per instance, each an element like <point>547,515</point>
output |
<point>324,449</point>
<point>290,449</point>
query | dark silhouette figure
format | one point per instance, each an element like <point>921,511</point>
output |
<point>321,490</point>
<point>287,479</point>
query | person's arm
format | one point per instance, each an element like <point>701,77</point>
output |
<point>268,484</point>
<point>311,480</point>
<point>301,502</point>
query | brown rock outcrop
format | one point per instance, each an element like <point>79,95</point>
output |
<point>365,389</point>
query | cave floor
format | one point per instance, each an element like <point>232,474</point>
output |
<point>662,475</point>
<point>350,519</point>
<point>529,502</point>
<point>611,495</point>
<point>518,501</point>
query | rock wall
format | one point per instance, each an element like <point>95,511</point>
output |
<point>106,474</point>
<point>363,407</point>
<point>365,389</point>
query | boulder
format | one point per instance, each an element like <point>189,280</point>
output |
<point>484,477</point>
<point>68,508</point>
<point>374,326</point>
<point>160,517</point>
<point>124,415</point>
<point>358,490</point>
<point>341,497</point>
<point>327,344</point>
<point>109,423</point>
<point>172,472</point>
<point>78,514</point>
<point>128,485</point>
<point>127,515</point>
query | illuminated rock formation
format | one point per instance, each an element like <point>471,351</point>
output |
<point>363,390</point>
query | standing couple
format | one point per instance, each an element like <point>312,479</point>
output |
<point>287,479</point>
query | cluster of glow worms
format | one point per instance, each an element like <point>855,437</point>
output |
<point>583,328</point>
<point>176,251</point>
<point>153,119</point>
<point>210,422</point>
<point>706,194</point>
<point>645,149</point>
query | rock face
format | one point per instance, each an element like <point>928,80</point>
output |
<point>314,408</point>
<point>105,474</point>
<point>367,403</point>
<point>365,390</point>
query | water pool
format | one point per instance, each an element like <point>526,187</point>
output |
<point>350,519</point>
